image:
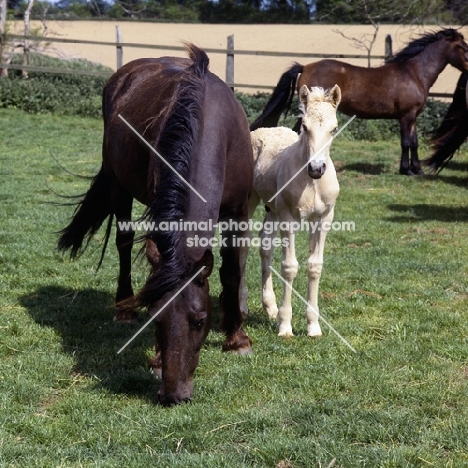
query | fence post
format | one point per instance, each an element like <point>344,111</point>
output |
<point>118,40</point>
<point>230,62</point>
<point>388,46</point>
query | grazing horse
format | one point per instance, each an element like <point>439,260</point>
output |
<point>396,90</point>
<point>188,116</point>
<point>453,131</point>
<point>282,156</point>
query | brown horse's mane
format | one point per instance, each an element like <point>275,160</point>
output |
<point>176,141</point>
<point>419,44</point>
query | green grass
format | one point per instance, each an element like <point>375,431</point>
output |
<point>396,288</point>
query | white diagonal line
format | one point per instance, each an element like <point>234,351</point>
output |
<point>160,310</point>
<point>313,157</point>
<point>308,305</point>
<point>160,157</point>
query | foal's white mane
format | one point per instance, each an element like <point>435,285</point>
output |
<point>317,93</point>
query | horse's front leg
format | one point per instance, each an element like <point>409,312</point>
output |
<point>122,206</point>
<point>267,235</point>
<point>231,271</point>
<point>317,238</point>
<point>409,143</point>
<point>289,269</point>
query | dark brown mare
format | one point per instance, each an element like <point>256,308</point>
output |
<point>453,131</point>
<point>396,90</point>
<point>192,119</point>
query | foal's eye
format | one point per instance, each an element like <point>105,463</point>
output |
<point>334,131</point>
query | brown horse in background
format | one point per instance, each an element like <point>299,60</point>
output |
<point>396,90</point>
<point>190,117</point>
<point>453,131</point>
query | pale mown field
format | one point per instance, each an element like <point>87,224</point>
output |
<point>252,70</point>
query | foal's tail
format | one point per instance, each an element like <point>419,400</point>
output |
<point>280,99</point>
<point>89,215</point>
<point>453,130</point>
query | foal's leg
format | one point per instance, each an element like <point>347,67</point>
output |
<point>289,269</point>
<point>266,254</point>
<point>314,271</point>
<point>122,206</point>
<point>231,279</point>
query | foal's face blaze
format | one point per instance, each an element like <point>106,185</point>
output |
<point>319,124</point>
<point>181,329</point>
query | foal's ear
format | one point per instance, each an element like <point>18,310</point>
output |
<point>206,261</point>
<point>335,95</point>
<point>304,94</point>
<point>152,253</point>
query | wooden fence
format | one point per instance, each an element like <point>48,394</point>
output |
<point>229,51</point>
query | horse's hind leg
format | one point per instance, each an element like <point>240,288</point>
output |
<point>266,253</point>
<point>122,206</point>
<point>231,272</point>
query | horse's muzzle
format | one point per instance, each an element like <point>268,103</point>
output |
<point>172,399</point>
<point>316,170</point>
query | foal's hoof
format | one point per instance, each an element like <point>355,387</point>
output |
<point>126,316</point>
<point>314,330</point>
<point>285,331</point>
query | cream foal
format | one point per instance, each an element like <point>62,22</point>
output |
<point>279,154</point>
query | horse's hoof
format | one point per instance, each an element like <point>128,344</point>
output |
<point>126,316</point>
<point>155,365</point>
<point>245,351</point>
<point>415,172</point>
<point>239,343</point>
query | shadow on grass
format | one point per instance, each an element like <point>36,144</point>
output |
<point>458,165</point>
<point>364,168</point>
<point>429,212</point>
<point>83,320</point>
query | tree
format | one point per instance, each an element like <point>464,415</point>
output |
<point>27,30</point>
<point>391,11</point>
<point>3,16</point>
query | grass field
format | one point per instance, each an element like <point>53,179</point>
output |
<point>396,288</point>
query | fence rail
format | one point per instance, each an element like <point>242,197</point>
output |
<point>229,51</point>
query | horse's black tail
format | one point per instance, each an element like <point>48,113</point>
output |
<point>453,130</point>
<point>89,215</point>
<point>280,99</point>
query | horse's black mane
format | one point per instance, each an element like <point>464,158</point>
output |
<point>176,142</point>
<point>419,44</point>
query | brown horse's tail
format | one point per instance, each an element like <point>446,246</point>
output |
<point>280,99</point>
<point>453,130</point>
<point>89,215</point>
